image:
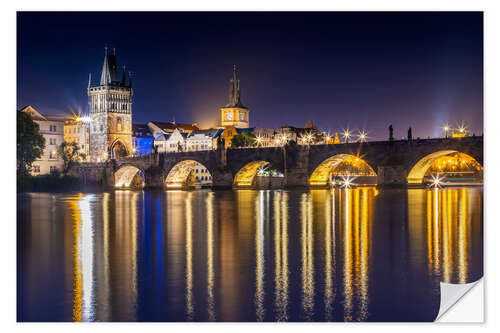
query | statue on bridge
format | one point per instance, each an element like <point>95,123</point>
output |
<point>409,134</point>
<point>391,133</point>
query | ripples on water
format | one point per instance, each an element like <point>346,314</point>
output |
<point>319,255</point>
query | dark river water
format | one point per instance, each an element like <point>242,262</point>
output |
<point>342,255</point>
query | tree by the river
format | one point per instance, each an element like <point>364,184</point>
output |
<point>30,143</point>
<point>245,139</point>
<point>70,153</point>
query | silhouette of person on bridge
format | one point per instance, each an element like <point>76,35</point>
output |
<point>391,133</point>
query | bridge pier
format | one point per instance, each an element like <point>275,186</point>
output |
<point>391,175</point>
<point>222,178</point>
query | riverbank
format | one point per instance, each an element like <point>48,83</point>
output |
<point>53,182</point>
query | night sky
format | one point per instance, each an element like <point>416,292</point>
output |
<point>356,70</point>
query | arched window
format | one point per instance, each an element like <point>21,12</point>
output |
<point>119,124</point>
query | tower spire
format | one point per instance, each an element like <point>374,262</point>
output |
<point>234,90</point>
<point>109,74</point>
<point>124,77</point>
<point>90,79</point>
<point>105,49</point>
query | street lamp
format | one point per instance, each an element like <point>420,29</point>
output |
<point>346,134</point>
<point>462,128</point>
<point>362,136</point>
<point>258,140</point>
<point>446,128</point>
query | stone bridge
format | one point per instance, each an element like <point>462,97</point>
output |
<point>394,162</point>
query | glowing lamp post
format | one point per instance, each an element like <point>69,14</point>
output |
<point>446,128</point>
<point>347,135</point>
<point>362,136</point>
<point>258,140</point>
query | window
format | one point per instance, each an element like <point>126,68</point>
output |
<point>101,128</point>
<point>52,154</point>
<point>52,141</point>
<point>53,128</point>
<point>53,168</point>
<point>36,168</point>
<point>119,124</point>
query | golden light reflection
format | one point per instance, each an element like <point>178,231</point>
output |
<point>189,257</point>
<point>329,220</point>
<point>210,257</point>
<point>124,265</point>
<point>307,256</point>
<point>348,283</point>
<point>356,220</point>
<point>259,258</point>
<point>448,235</point>
<point>77,285</point>
<point>83,258</point>
<point>280,207</point>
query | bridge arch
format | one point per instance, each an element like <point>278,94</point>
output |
<point>436,160</point>
<point>188,173</point>
<point>341,164</point>
<point>129,176</point>
<point>246,175</point>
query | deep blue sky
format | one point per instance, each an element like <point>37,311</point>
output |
<point>361,70</point>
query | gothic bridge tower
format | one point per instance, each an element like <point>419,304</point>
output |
<point>110,105</point>
<point>234,113</point>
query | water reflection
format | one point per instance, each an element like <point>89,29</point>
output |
<point>259,258</point>
<point>189,257</point>
<point>83,252</point>
<point>450,215</point>
<point>280,206</point>
<point>338,255</point>
<point>356,206</point>
<point>210,257</point>
<point>307,256</point>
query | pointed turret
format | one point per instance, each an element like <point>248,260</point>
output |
<point>109,74</point>
<point>124,77</point>
<point>130,79</point>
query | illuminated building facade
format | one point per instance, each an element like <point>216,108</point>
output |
<point>158,127</point>
<point>77,130</point>
<point>142,140</point>
<point>203,139</point>
<point>110,113</point>
<point>234,113</point>
<point>202,176</point>
<point>170,142</point>
<point>306,135</point>
<point>264,136</point>
<point>52,129</point>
